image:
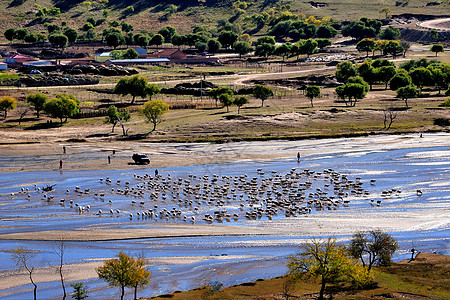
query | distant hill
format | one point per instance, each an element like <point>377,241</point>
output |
<point>151,15</point>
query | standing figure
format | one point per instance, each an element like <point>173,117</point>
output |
<point>109,159</point>
<point>298,157</point>
<point>60,163</point>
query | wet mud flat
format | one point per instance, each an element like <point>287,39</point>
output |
<point>249,215</point>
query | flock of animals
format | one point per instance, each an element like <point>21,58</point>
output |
<point>215,199</point>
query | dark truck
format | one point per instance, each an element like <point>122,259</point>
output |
<point>140,159</point>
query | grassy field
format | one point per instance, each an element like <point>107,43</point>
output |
<point>425,278</point>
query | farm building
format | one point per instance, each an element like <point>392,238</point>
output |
<point>3,66</point>
<point>103,57</point>
<point>139,61</point>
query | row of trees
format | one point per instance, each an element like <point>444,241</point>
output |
<point>334,263</point>
<point>408,80</point>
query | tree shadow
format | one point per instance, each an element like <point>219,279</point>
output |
<point>40,126</point>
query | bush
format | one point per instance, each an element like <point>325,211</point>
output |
<point>442,122</point>
<point>446,103</point>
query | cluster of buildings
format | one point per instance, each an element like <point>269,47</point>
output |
<point>162,57</point>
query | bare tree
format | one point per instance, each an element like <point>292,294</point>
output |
<point>288,287</point>
<point>59,249</point>
<point>22,258</point>
<point>389,116</point>
<point>22,111</point>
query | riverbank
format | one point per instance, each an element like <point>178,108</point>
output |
<point>425,277</point>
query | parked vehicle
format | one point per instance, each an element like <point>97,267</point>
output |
<point>140,159</point>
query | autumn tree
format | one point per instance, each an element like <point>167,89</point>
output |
<point>240,101</point>
<point>62,107</point>
<point>329,262</point>
<point>262,92</point>
<point>311,92</point>
<point>7,103</point>
<point>408,92</point>
<point>124,271</point>
<point>38,101</point>
<point>113,116</point>
<point>140,277</point>
<point>373,248</point>
<point>153,111</point>
<point>22,258</point>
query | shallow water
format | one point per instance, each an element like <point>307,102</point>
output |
<point>237,259</point>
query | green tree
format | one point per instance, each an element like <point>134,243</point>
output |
<point>22,258</point>
<point>308,47</point>
<point>116,54</point>
<point>157,40</point>
<point>10,34</point>
<point>7,103</point>
<point>117,272</point>
<point>216,92</point>
<point>345,70</point>
<point>421,77</point>
<point>385,73</point>
<point>390,33</point>
<point>130,54</point>
<point>153,110</point>
<point>87,26</point>
<point>214,46</point>
<point>167,32</point>
<point>72,34</point>
<point>373,247</point>
<point>399,80</point>
<point>327,261</point>
<point>226,100</point>
<point>227,38</point>
<point>393,48</point>
<point>201,47</point>
<point>264,40</point>
<point>322,43</point>
<point>58,40</point>
<point>311,92</point>
<point>242,48</point>
<point>437,48</point>
<point>408,92</point>
<point>264,50</point>
<point>52,27</point>
<point>21,33</point>
<point>62,107</point>
<point>262,92</point>
<point>114,39</point>
<point>326,32</point>
<point>434,34</point>
<point>240,101</point>
<point>136,86</point>
<point>30,38</point>
<point>366,45</point>
<point>38,101</point>
<point>151,90</point>
<point>283,50</point>
<point>113,116</point>
<point>386,11</point>
<point>368,72</point>
<point>352,91</point>
<point>79,291</point>
<point>141,39</point>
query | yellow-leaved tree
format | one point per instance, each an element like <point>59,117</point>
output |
<point>329,262</point>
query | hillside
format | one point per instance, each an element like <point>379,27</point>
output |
<point>151,15</point>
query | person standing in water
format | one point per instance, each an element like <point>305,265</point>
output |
<point>298,157</point>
